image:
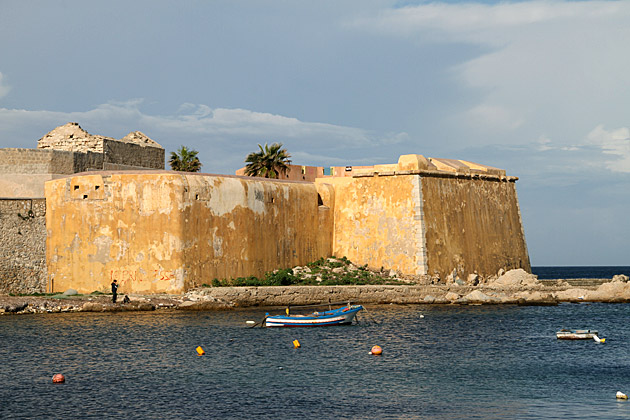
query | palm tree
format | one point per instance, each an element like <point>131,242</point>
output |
<point>269,162</point>
<point>185,160</point>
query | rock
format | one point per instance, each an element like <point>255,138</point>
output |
<point>202,305</point>
<point>477,296</point>
<point>450,279</point>
<point>16,308</point>
<point>620,278</point>
<point>500,273</point>
<point>338,270</point>
<point>429,299</point>
<point>393,273</point>
<point>571,295</point>
<point>92,307</point>
<point>616,291</point>
<point>515,278</point>
<point>459,281</point>
<point>451,296</point>
<point>535,298</point>
<point>70,292</point>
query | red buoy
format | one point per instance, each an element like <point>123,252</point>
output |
<point>376,350</point>
<point>58,378</point>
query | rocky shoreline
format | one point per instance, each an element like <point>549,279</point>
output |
<point>515,287</point>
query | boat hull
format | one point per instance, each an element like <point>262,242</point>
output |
<point>576,335</point>
<point>341,316</point>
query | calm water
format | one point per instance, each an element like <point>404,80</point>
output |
<point>582,272</point>
<point>485,362</point>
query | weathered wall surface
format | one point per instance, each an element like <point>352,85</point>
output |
<point>472,225</point>
<point>376,222</point>
<point>24,171</point>
<point>22,254</point>
<point>167,232</point>
<point>120,155</point>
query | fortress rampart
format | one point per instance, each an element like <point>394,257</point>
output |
<point>123,217</point>
<point>159,231</point>
<point>420,220</point>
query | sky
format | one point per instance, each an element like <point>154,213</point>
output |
<point>538,88</point>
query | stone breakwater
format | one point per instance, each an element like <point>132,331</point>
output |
<point>514,287</point>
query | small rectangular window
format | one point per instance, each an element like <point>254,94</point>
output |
<point>76,187</point>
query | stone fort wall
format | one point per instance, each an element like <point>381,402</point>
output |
<point>165,232</point>
<point>22,250</point>
<point>66,150</point>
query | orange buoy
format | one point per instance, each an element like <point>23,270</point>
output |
<point>296,344</point>
<point>58,378</point>
<point>376,350</point>
<point>200,351</point>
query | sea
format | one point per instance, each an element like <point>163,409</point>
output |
<point>438,362</point>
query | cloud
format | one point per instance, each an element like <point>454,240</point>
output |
<point>555,67</point>
<point>613,142</point>
<point>4,88</point>
<point>230,131</point>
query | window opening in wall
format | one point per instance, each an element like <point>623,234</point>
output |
<point>272,200</point>
<point>196,196</point>
<point>76,187</point>
<point>320,202</point>
<point>303,170</point>
<point>348,168</point>
<point>84,196</point>
<point>96,187</point>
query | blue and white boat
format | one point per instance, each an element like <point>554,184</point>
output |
<point>341,316</point>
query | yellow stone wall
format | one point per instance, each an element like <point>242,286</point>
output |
<point>166,232</point>
<point>163,231</point>
<point>375,222</point>
<point>472,225</point>
<point>419,219</point>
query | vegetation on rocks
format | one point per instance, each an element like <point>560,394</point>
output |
<point>323,272</point>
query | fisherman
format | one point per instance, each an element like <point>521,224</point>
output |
<point>114,290</point>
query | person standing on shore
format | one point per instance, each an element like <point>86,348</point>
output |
<point>114,290</point>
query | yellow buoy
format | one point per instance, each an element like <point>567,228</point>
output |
<point>376,350</point>
<point>296,344</point>
<point>200,351</point>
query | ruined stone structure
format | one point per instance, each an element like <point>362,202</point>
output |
<point>166,232</point>
<point>65,150</point>
<point>69,149</point>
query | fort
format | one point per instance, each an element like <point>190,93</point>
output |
<point>112,212</point>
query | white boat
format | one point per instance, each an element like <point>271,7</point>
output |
<point>576,334</point>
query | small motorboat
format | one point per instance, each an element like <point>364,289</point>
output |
<point>576,334</point>
<point>340,316</point>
